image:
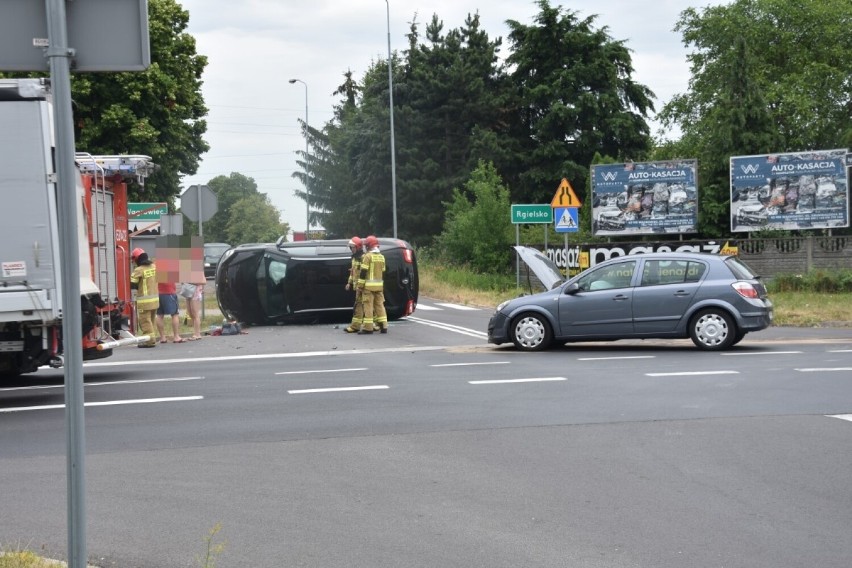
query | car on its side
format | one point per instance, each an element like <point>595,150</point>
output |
<point>212,253</point>
<point>713,299</point>
<point>304,281</point>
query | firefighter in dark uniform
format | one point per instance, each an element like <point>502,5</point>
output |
<point>371,283</point>
<point>143,279</point>
<point>357,249</point>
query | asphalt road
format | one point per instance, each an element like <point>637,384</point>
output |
<point>428,447</point>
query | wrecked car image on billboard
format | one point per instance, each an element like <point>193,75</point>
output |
<point>790,191</point>
<point>645,198</point>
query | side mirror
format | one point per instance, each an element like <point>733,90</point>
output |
<point>571,288</point>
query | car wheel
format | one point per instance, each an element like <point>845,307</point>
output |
<point>712,330</point>
<point>531,332</point>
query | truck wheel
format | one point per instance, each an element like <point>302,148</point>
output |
<point>531,332</point>
<point>712,330</point>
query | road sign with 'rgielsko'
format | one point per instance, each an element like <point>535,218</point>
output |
<point>532,214</point>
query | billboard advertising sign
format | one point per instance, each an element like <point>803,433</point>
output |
<point>645,198</point>
<point>797,190</point>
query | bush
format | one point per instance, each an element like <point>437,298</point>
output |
<point>816,281</point>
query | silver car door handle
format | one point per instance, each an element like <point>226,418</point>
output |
<point>620,297</point>
<point>681,293</point>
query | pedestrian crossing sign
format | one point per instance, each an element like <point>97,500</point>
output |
<point>567,219</point>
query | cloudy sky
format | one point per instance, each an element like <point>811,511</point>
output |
<point>255,46</point>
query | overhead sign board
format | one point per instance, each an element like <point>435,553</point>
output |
<point>531,214</point>
<point>565,196</point>
<point>106,35</point>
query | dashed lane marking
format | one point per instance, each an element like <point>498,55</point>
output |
<point>105,403</point>
<point>338,389</point>
<point>505,381</point>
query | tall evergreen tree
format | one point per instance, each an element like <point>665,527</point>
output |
<point>576,97</point>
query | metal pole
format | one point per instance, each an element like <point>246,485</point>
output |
<point>307,178</point>
<point>392,142</point>
<point>59,56</point>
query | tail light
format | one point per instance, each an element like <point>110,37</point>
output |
<point>746,290</point>
<point>409,307</point>
<point>408,255</point>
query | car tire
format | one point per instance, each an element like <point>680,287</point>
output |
<point>531,332</point>
<point>713,330</point>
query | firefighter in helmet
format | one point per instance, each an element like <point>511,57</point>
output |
<point>143,279</point>
<point>371,284</point>
<point>356,247</point>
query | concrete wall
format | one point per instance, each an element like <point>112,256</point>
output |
<point>796,255</point>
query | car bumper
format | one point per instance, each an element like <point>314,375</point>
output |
<point>758,318</point>
<point>497,329</point>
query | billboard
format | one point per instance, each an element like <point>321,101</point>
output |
<point>797,190</point>
<point>645,198</point>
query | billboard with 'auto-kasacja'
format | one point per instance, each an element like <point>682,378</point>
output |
<point>790,191</point>
<point>645,198</point>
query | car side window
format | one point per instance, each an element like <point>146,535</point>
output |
<point>613,276</point>
<point>656,272</point>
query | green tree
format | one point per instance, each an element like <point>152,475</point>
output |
<point>576,97</point>
<point>253,219</point>
<point>768,76</point>
<point>157,112</point>
<point>442,92</point>
<point>478,231</point>
<point>228,190</point>
<point>801,66</point>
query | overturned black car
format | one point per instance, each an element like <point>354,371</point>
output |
<point>303,281</point>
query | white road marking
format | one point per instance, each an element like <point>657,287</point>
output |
<point>841,416</point>
<point>762,353</point>
<point>128,382</point>
<point>426,308</point>
<point>824,369</point>
<point>471,364</point>
<point>691,373</point>
<point>502,381</point>
<point>448,327</point>
<point>410,349</point>
<point>457,306</point>
<point>338,389</point>
<point>615,358</point>
<point>321,371</point>
<point>840,350</point>
<point>105,403</point>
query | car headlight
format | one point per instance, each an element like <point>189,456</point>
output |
<point>501,306</point>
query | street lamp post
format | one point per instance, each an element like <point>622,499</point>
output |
<point>392,143</point>
<point>307,177</point>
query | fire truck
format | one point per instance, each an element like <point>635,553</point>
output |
<point>31,294</point>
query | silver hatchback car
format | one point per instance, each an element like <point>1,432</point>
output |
<point>714,300</point>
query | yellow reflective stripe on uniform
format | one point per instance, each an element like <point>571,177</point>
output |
<point>374,278</point>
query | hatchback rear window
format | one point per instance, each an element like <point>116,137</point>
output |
<point>740,269</point>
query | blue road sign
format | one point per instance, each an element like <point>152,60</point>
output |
<point>567,219</point>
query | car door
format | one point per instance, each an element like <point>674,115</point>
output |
<point>602,307</point>
<point>664,294</point>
